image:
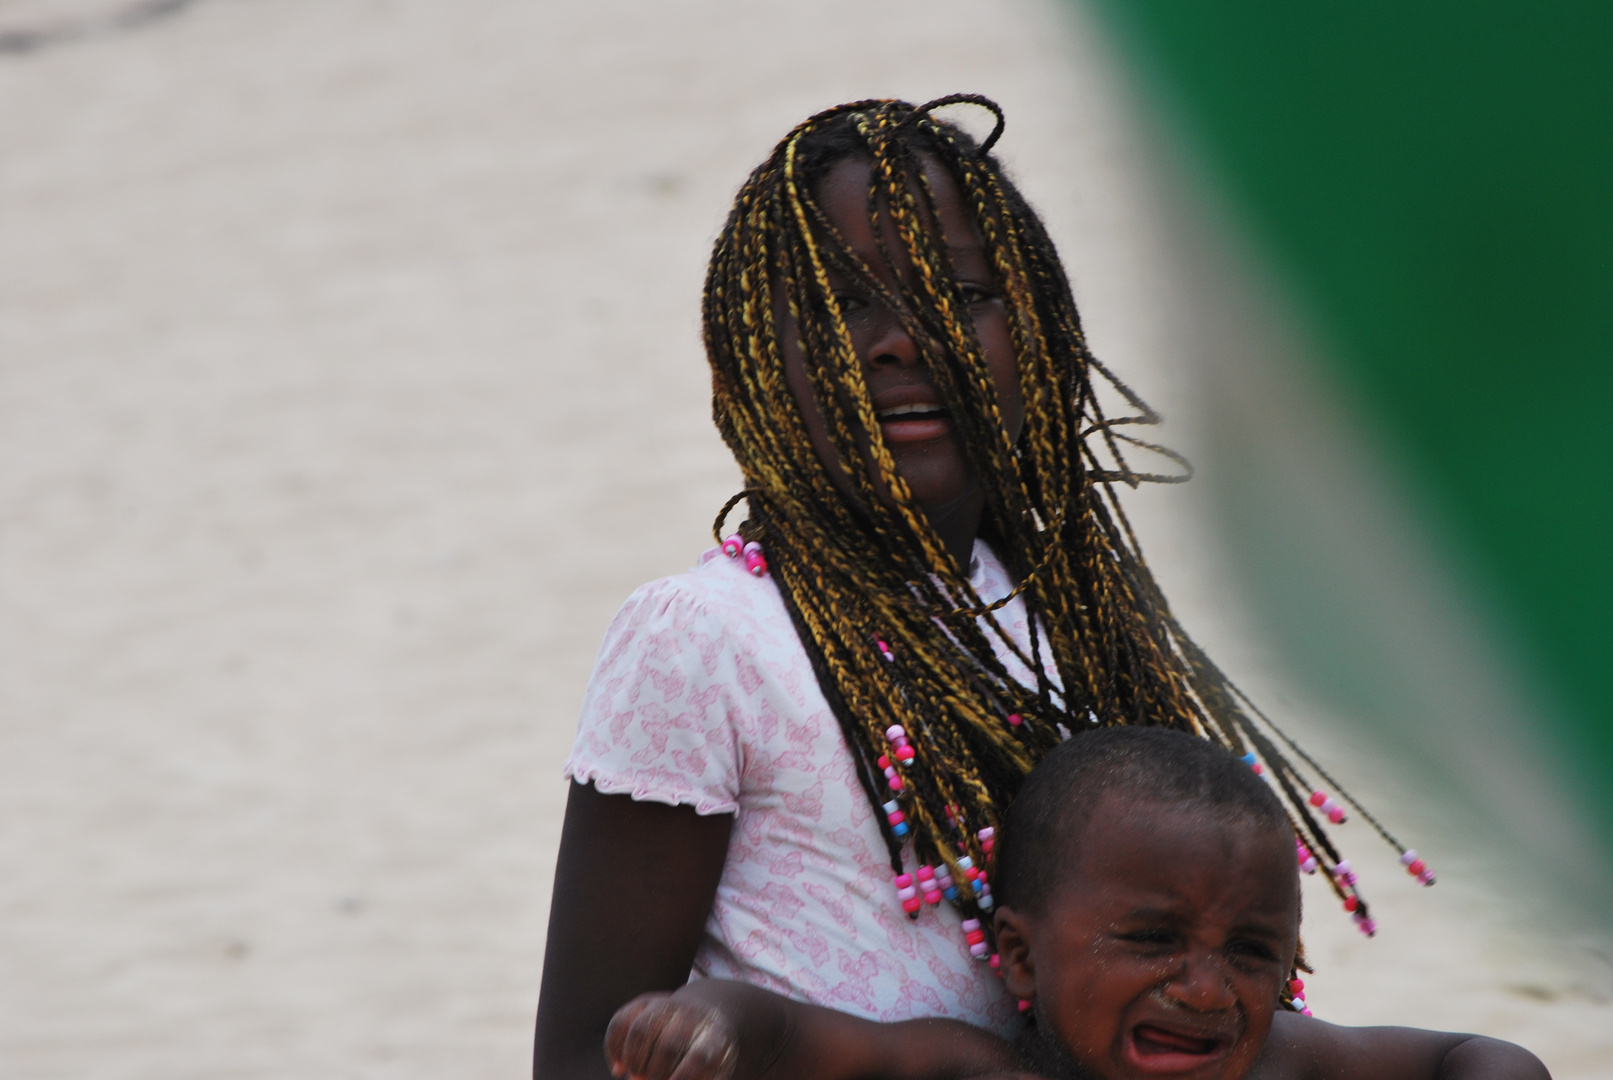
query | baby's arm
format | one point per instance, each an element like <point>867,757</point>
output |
<point>714,1029</point>
<point>1302,1048</point>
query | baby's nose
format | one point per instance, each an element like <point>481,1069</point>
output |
<point>1201,985</point>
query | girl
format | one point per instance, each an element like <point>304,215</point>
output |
<point>933,585</point>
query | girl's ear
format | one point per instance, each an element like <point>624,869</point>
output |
<point>1014,936</point>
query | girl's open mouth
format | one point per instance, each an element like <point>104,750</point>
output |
<point>914,423</point>
<point>1156,1049</point>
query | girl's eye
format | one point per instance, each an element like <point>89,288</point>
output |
<point>977,294</point>
<point>850,301</point>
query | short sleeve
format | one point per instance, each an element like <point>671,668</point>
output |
<point>658,720</point>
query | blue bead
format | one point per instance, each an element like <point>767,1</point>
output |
<point>951,894</point>
<point>901,829</point>
<point>1248,759</point>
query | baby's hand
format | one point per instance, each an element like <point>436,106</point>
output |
<point>662,1037</point>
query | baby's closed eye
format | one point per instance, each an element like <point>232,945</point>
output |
<point>1153,935</point>
<point>1251,948</point>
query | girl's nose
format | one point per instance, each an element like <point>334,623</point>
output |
<point>890,343</point>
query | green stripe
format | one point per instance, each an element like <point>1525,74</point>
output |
<point>1436,182</point>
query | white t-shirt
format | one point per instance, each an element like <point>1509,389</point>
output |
<point>703,696</point>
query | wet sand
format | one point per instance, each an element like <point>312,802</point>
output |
<point>349,381</point>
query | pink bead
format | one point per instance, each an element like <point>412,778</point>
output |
<point>1024,1004</point>
<point>896,783</point>
<point>932,897</point>
<point>753,548</point>
<point>903,880</point>
<point>1416,867</point>
<point>756,564</point>
<point>1351,903</point>
<point>1427,877</point>
<point>1336,815</point>
<point>894,732</point>
<point>1408,856</point>
<point>986,834</point>
<point>1341,867</point>
<point>896,818</point>
<point>1305,1012</point>
<point>884,763</point>
<point>974,937</point>
<point>732,546</point>
<point>906,894</point>
<point>970,924</point>
<point>912,906</point>
<point>925,874</point>
<point>1014,719</point>
<point>978,949</point>
<point>1296,986</point>
<point>1317,798</point>
<point>996,962</point>
<point>905,752</point>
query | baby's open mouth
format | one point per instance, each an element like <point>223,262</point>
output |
<point>1161,1049</point>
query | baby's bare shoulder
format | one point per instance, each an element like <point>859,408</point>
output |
<point>1304,1048</point>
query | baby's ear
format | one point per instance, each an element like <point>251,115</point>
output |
<point>1014,953</point>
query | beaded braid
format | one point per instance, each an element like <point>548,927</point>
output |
<point>899,640</point>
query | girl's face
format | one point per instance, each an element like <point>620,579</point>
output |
<point>1163,949</point>
<point>916,426</point>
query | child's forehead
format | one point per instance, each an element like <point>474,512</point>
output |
<point>1128,838</point>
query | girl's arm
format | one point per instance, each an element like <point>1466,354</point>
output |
<point>1303,1048</point>
<point>714,1029</point>
<point>632,889</point>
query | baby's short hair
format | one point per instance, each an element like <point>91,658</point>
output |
<point>1143,764</point>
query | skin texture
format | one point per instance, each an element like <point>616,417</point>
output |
<point>1164,948</point>
<point>927,451</point>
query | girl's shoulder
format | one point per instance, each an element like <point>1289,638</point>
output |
<point>717,598</point>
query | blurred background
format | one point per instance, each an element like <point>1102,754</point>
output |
<point>350,379</point>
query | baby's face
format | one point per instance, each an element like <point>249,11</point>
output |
<point>1163,950</point>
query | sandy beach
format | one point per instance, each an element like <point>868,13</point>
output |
<point>350,379</point>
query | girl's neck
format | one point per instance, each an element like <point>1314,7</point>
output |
<point>958,524</point>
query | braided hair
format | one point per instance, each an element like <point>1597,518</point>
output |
<point>895,631</point>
